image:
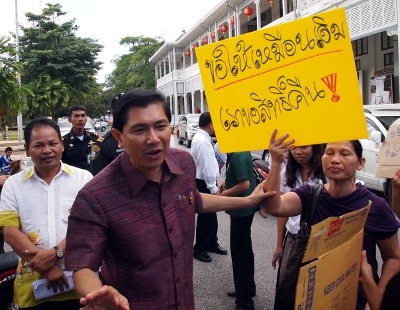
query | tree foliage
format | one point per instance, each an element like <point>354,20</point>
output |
<point>58,66</point>
<point>134,69</point>
<point>10,91</point>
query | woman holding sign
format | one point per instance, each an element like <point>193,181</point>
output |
<point>339,196</point>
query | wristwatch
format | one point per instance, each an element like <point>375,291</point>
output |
<point>59,252</point>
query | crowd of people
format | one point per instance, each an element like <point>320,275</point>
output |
<point>129,233</point>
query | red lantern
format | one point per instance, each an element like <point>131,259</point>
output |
<point>213,35</point>
<point>196,45</point>
<point>248,11</point>
<point>232,20</point>
<point>204,41</point>
<point>187,53</point>
<point>223,28</point>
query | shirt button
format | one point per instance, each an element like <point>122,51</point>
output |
<point>164,205</point>
<point>170,230</point>
<point>178,281</point>
<point>175,255</point>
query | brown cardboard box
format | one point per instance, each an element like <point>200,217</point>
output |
<point>389,155</point>
<point>330,278</point>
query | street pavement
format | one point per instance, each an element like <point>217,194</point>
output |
<point>213,280</point>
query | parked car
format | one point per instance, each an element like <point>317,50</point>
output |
<point>65,126</point>
<point>187,127</point>
<point>100,125</point>
<point>379,118</point>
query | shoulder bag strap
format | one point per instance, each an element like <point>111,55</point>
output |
<point>307,215</point>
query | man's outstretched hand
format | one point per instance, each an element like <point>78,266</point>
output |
<point>106,298</point>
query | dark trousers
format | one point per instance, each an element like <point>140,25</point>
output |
<point>243,260</point>
<point>72,304</point>
<point>207,225</point>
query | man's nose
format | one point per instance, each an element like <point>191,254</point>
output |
<point>153,136</point>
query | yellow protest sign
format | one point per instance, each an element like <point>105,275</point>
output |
<point>298,77</point>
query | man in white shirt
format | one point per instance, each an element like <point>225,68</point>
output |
<point>34,209</point>
<point>207,171</point>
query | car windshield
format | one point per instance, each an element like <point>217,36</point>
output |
<point>194,119</point>
<point>387,120</point>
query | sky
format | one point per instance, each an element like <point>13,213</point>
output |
<point>110,21</point>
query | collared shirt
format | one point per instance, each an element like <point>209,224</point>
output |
<point>203,153</point>
<point>293,223</point>
<point>5,164</point>
<point>41,212</point>
<point>76,151</point>
<point>140,232</point>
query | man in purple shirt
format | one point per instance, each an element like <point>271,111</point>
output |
<point>136,219</point>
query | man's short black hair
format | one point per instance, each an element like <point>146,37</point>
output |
<point>205,119</point>
<point>115,99</point>
<point>39,122</point>
<point>76,108</point>
<point>8,149</point>
<point>137,98</point>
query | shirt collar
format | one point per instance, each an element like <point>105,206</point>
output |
<point>204,133</point>
<point>136,178</point>
<point>64,168</point>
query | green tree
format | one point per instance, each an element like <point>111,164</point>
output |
<point>134,69</point>
<point>49,96</point>
<point>52,54</point>
<point>10,91</point>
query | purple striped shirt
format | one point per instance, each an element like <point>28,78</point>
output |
<point>139,231</point>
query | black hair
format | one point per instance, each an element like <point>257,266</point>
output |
<point>76,108</point>
<point>205,119</point>
<point>115,99</point>
<point>316,166</point>
<point>137,98</point>
<point>8,149</point>
<point>358,149</point>
<point>39,122</point>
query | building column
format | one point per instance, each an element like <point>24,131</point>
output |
<point>202,100</point>
<point>185,101</point>
<point>192,93</point>
<point>258,13</point>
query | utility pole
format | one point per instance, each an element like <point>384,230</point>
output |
<point>19,116</point>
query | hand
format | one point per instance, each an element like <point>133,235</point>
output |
<point>106,298</point>
<point>259,195</point>
<point>42,260</point>
<point>278,147</point>
<point>56,279</point>
<point>366,274</point>
<point>396,180</point>
<point>221,188</point>
<point>277,256</point>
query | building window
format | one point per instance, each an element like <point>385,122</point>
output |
<point>389,59</point>
<point>358,64</point>
<point>360,47</point>
<point>251,28</point>
<point>386,41</point>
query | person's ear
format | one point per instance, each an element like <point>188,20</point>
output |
<point>118,136</point>
<point>26,147</point>
<point>361,164</point>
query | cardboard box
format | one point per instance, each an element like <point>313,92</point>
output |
<point>329,279</point>
<point>389,155</point>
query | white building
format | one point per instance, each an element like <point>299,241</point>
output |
<point>373,26</point>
